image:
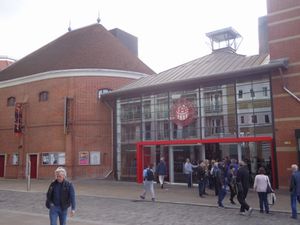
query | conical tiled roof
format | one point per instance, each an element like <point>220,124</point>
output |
<point>91,47</point>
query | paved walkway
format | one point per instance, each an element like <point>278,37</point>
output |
<point>177,194</point>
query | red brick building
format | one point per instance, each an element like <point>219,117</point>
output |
<point>50,108</point>
<point>252,100</point>
<point>284,41</point>
<point>5,62</point>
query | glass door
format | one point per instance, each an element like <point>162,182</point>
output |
<point>179,156</point>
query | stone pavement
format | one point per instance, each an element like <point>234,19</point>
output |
<point>27,208</point>
<point>130,190</point>
<point>107,202</point>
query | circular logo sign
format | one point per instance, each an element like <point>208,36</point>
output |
<point>183,112</point>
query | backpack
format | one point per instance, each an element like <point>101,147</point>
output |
<point>149,175</point>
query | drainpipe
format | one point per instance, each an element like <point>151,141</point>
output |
<point>112,139</point>
<point>286,89</point>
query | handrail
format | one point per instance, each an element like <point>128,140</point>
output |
<point>109,172</point>
<point>291,93</point>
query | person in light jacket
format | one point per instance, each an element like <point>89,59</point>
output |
<point>261,182</point>
<point>188,171</point>
<point>148,175</point>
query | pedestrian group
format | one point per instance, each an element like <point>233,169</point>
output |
<point>227,175</point>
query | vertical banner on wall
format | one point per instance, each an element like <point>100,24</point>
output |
<point>18,119</point>
<point>67,114</point>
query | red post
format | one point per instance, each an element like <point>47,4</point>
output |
<point>273,164</point>
<point>139,163</point>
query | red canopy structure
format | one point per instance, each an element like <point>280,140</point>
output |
<point>140,147</point>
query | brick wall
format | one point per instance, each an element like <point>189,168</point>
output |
<point>284,36</point>
<point>91,128</point>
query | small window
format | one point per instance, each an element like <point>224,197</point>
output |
<point>240,93</point>
<point>242,119</point>
<point>11,101</point>
<point>43,96</point>
<point>265,91</point>
<point>53,158</point>
<point>254,119</point>
<point>267,119</point>
<point>252,93</point>
<point>103,91</point>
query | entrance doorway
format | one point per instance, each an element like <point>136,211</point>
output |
<point>33,166</point>
<point>179,156</point>
<point>212,151</point>
<point>2,165</point>
<point>255,154</point>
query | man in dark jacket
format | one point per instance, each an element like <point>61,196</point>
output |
<point>161,171</point>
<point>221,183</point>
<point>60,197</point>
<point>201,179</point>
<point>295,189</point>
<point>242,180</point>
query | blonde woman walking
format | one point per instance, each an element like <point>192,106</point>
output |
<point>261,182</point>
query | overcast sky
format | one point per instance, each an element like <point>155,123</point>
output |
<point>170,32</point>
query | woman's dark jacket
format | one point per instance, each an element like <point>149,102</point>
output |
<point>67,195</point>
<point>161,168</point>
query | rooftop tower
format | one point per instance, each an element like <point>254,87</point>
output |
<point>226,39</point>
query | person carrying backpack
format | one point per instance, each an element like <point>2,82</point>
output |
<point>148,176</point>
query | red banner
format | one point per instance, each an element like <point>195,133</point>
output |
<point>18,119</point>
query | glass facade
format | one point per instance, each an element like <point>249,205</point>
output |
<point>237,109</point>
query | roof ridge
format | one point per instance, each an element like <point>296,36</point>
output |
<point>204,68</point>
<point>92,46</point>
<point>52,42</point>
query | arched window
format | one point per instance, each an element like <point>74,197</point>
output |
<point>43,96</point>
<point>11,101</point>
<point>103,91</point>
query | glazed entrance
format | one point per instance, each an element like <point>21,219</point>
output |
<point>254,153</point>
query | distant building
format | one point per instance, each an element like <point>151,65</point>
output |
<point>5,62</point>
<point>130,41</point>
